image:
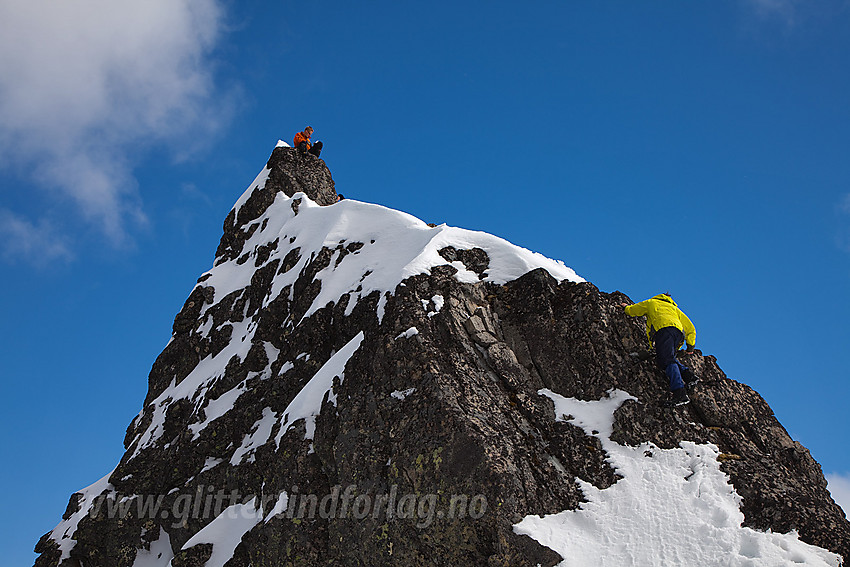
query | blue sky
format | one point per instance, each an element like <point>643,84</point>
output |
<point>699,148</point>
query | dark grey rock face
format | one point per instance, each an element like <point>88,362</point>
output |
<point>290,172</point>
<point>782,486</point>
<point>448,417</point>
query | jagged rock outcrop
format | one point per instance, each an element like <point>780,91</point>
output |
<point>293,372</point>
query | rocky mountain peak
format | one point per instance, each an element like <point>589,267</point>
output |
<point>350,386</point>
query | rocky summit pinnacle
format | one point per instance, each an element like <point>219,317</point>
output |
<point>349,385</point>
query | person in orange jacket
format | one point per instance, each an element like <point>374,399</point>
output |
<point>302,142</point>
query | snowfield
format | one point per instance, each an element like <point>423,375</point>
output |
<point>672,507</point>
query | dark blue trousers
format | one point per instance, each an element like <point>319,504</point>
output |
<point>667,342</point>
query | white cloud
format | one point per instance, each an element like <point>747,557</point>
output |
<point>85,85</point>
<point>843,234</point>
<point>35,244</point>
<point>783,9</point>
<point>839,487</point>
<point>844,205</point>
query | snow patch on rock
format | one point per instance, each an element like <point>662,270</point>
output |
<point>402,394</point>
<point>226,531</point>
<point>158,554</point>
<point>307,404</point>
<point>408,333</point>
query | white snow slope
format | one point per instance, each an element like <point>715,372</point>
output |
<point>673,507</point>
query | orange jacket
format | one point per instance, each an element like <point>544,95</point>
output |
<point>300,137</point>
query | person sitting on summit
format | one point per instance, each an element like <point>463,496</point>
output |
<point>302,142</point>
<point>668,328</point>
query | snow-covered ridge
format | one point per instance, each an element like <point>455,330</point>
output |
<point>396,246</point>
<point>375,249</point>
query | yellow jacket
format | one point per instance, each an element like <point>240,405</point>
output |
<point>661,311</point>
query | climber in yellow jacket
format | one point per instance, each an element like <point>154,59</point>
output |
<point>667,327</point>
